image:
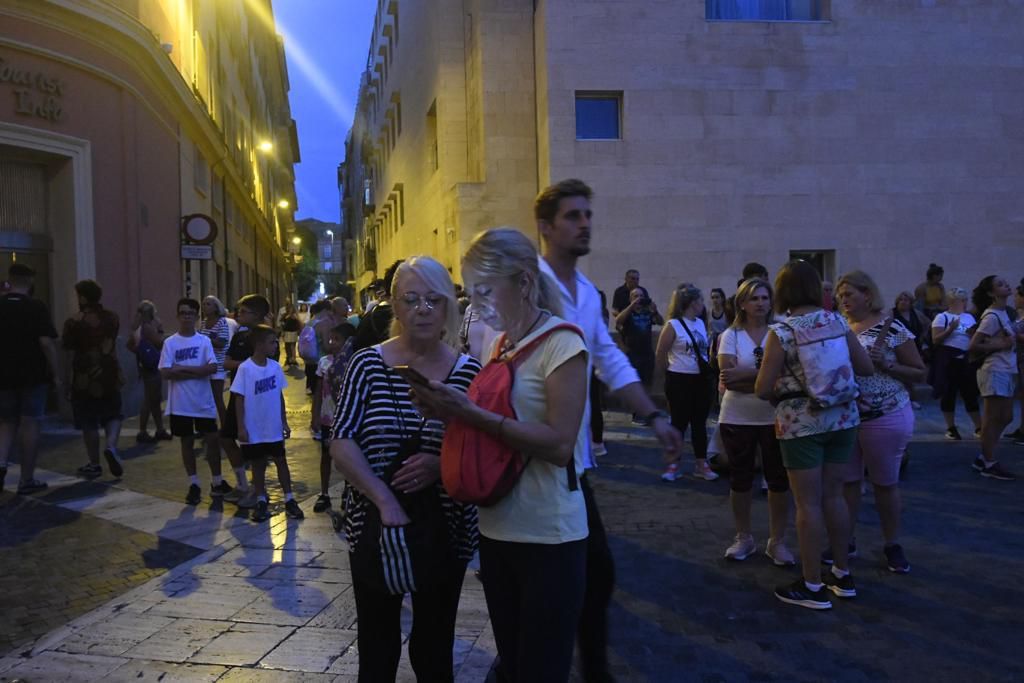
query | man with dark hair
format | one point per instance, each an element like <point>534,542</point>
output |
<point>29,363</point>
<point>620,299</point>
<point>754,270</point>
<point>563,219</point>
<point>930,295</point>
<point>375,326</point>
<point>94,377</point>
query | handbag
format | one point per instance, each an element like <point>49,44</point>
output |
<point>414,557</point>
<point>703,365</point>
<point>148,354</point>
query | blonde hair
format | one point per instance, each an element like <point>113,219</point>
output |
<point>222,311</point>
<point>955,293</point>
<point>863,282</point>
<point>438,280</point>
<point>506,252</point>
<point>745,291</point>
<point>682,296</point>
<point>147,309</point>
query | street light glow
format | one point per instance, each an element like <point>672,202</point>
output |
<point>331,234</point>
<point>265,146</point>
<point>296,240</point>
<point>283,204</point>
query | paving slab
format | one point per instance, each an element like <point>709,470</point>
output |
<point>310,649</point>
<point>242,645</point>
<point>165,672</point>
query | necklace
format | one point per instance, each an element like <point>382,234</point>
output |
<point>509,344</point>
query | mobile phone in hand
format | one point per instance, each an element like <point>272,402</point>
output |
<point>412,375</point>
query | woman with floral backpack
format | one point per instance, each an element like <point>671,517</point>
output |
<point>808,374</point>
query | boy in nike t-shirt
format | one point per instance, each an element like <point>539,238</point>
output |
<point>187,361</point>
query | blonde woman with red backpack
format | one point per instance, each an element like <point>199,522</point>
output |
<point>534,539</point>
<point>810,357</point>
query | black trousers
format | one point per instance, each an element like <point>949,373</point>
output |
<point>689,402</point>
<point>593,626</point>
<point>960,378</point>
<point>534,595</point>
<point>433,630</point>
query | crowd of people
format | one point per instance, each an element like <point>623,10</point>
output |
<point>815,386</point>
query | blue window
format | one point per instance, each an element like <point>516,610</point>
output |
<point>598,116</point>
<point>766,10</point>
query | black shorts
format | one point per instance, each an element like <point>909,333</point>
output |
<point>229,429</point>
<point>91,414</point>
<point>185,425</point>
<point>261,451</point>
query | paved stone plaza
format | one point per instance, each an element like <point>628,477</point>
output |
<point>113,581</point>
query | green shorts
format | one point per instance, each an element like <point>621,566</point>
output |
<point>808,452</point>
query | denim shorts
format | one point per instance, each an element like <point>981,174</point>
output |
<point>23,402</point>
<point>996,384</point>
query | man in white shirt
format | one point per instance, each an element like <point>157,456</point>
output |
<point>564,219</point>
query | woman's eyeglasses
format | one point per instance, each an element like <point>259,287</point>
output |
<point>414,301</point>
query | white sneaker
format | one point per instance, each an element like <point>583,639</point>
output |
<point>671,472</point>
<point>742,548</point>
<point>599,449</point>
<point>779,554</point>
<point>764,485</point>
<point>702,471</point>
<point>247,501</point>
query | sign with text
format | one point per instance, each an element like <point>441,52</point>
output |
<point>35,93</point>
<point>197,252</point>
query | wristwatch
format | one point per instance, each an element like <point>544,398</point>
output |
<point>655,415</point>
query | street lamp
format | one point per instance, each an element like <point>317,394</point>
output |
<point>296,240</point>
<point>265,146</point>
<point>283,204</point>
<point>330,233</point>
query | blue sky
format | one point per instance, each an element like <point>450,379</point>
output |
<point>326,43</point>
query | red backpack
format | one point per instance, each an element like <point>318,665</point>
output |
<point>477,467</point>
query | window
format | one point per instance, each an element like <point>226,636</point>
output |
<point>328,249</point>
<point>766,10</point>
<point>823,260</point>
<point>598,115</point>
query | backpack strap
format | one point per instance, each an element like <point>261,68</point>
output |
<point>521,355</point>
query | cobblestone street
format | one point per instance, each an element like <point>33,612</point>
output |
<point>119,580</point>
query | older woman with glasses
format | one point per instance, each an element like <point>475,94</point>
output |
<point>747,423</point>
<point>533,549</point>
<point>405,534</point>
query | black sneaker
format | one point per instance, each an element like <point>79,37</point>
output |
<point>293,510</point>
<point>322,503</point>
<point>895,559</point>
<point>90,470</point>
<point>262,511</point>
<point>851,552</point>
<point>843,587</point>
<point>145,437</point>
<point>996,471</point>
<point>977,433</point>
<point>163,436</point>
<point>194,495</point>
<point>953,434</point>
<point>3,475</point>
<point>221,489</point>
<point>113,461</point>
<point>797,593</point>
<point>31,486</point>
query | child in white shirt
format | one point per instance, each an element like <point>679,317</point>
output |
<point>262,424</point>
<point>187,361</point>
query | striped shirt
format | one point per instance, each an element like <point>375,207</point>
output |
<point>373,408</point>
<point>220,330</point>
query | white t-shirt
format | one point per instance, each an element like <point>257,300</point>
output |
<point>189,397</point>
<point>740,408</point>
<point>261,387</point>
<point>994,322</point>
<point>540,508</point>
<point>682,356</point>
<point>958,339</point>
